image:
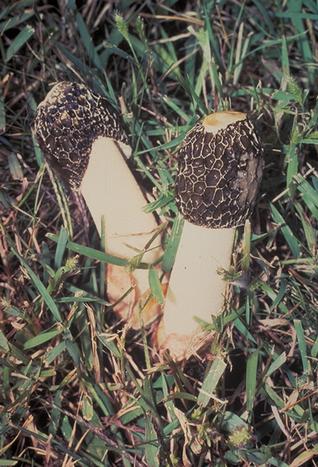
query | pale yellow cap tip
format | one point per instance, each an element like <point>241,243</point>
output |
<point>220,120</point>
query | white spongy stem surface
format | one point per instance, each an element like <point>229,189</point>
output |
<point>196,289</point>
<point>111,192</point>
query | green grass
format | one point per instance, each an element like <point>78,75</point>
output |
<point>75,387</point>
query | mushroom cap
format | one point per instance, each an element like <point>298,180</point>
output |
<point>220,167</point>
<point>67,123</point>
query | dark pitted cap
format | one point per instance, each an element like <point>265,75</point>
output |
<point>219,171</point>
<point>67,123</point>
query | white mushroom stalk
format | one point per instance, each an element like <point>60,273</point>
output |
<point>219,171</point>
<point>83,140</point>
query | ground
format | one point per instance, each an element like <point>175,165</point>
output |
<point>77,388</point>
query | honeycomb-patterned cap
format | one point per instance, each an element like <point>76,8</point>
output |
<point>220,167</point>
<point>67,123</point>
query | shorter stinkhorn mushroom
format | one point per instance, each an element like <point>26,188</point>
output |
<point>83,141</point>
<point>219,172</point>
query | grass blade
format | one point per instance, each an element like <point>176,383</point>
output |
<point>151,448</point>
<point>277,363</point>
<point>210,381</point>
<point>4,344</point>
<point>251,380</point>
<point>286,231</point>
<point>92,253</point>
<point>173,243</point>
<point>155,286</point>
<point>14,21</point>
<point>88,42</point>
<point>42,338</point>
<point>41,289</point>
<point>60,247</point>
<point>19,42</point>
<point>301,344</point>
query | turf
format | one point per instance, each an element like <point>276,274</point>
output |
<point>76,387</point>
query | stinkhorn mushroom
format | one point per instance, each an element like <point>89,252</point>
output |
<point>219,172</point>
<point>83,141</point>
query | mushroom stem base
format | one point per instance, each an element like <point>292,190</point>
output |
<point>196,288</point>
<point>113,196</point>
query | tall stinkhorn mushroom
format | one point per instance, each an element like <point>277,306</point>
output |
<point>219,172</point>
<point>83,140</point>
